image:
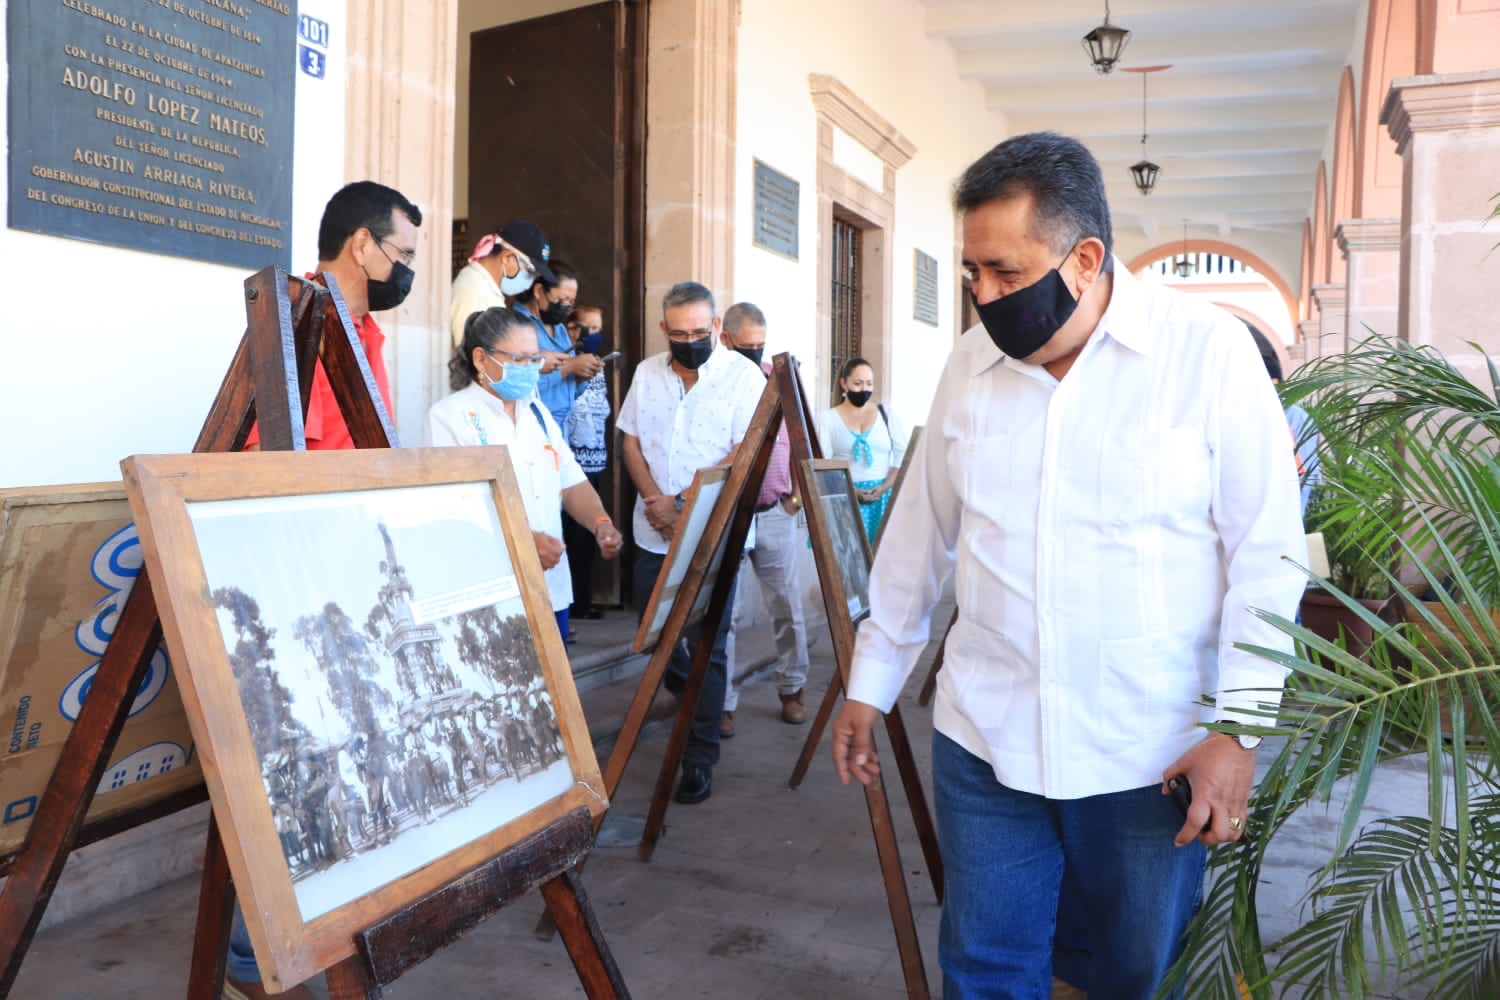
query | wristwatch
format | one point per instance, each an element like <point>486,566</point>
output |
<point>1245,740</point>
<point>680,501</point>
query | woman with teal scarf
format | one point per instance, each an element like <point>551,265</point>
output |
<point>868,437</point>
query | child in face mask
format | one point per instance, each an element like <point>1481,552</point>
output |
<point>494,374</point>
<point>585,431</point>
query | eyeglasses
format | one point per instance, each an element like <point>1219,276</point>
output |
<point>515,359</point>
<point>687,336</point>
<point>407,257</point>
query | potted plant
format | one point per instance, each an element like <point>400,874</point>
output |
<point>1414,899</point>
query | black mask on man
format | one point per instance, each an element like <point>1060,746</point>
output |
<point>692,354</point>
<point>859,398</point>
<point>1022,322</point>
<point>391,292</point>
<point>556,312</point>
<point>753,353</point>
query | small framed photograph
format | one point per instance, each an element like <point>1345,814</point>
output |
<point>692,526</point>
<point>843,531</point>
<point>372,673</point>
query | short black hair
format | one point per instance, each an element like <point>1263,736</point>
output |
<point>741,313</point>
<point>361,205</point>
<point>1059,173</point>
<point>685,293</point>
<point>1268,353</point>
<point>850,365</point>
<point>487,328</point>
<point>561,270</point>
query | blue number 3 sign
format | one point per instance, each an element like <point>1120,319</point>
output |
<point>313,62</point>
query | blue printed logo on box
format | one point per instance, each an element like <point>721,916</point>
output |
<point>313,30</point>
<point>313,62</point>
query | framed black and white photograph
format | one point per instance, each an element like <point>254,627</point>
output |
<point>845,530</point>
<point>692,526</point>
<point>372,668</point>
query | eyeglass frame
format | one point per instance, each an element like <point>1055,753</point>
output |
<point>407,257</point>
<point>525,360</point>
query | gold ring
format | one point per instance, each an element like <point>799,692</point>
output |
<point>1235,823</point>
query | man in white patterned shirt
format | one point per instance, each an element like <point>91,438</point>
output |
<point>687,409</point>
<point>1109,473</point>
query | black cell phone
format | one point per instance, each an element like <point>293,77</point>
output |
<point>1182,792</point>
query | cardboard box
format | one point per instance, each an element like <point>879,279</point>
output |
<point>68,557</point>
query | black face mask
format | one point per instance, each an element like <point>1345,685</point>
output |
<point>1022,322</point>
<point>391,292</point>
<point>556,312</point>
<point>692,354</point>
<point>753,353</point>
<point>859,398</point>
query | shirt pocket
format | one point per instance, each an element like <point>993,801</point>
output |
<point>1139,689</point>
<point>1161,476</point>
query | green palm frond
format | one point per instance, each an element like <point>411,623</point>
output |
<point>1410,506</point>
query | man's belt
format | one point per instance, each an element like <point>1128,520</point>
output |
<point>766,506</point>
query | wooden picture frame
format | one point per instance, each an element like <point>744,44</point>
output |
<point>692,522</point>
<point>846,531</point>
<point>906,458</point>
<point>295,702</point>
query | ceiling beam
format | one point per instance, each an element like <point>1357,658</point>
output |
<point>1181,145</point>
<point>1212,116</point>
<point>1167,89</point>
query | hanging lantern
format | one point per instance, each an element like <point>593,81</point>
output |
<point>1145,171</point>
<point>1184,265</point>
<point>1105,44</point>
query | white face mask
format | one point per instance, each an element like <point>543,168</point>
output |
<point>520,284</point>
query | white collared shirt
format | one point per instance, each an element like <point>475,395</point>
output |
<point>1111,534</point>
<point>539,453</point>
<point>682,431</point>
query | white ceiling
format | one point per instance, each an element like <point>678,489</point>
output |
<point>1238,123</point>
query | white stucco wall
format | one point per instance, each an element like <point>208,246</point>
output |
<point>106,352</point>
<point>879,50</point>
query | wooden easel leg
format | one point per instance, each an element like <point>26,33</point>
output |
<point>569,906</point>
<point>349,981</point>
<point>929,686</point>
<point>916,798</point>
<point>902,920</point>
<point>815,733</point>
<point>215,915</point>
<point>65,803</point>
<point>681,727</point>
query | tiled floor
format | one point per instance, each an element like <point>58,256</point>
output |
<point>760,892</point>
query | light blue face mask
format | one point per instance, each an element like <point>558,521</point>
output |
<point>520,284</point>
<point>517,381</point>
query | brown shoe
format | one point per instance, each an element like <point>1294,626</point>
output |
<point>726,726</point>
<point>236,990</point>
<point>793,712</point>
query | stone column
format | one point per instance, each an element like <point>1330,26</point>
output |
<point>1371,247</point>
<point>1330,302</point>
<point>400,131</point>
<point>1447,130</point>
<point>1308,339</point>
<point>690,116</point>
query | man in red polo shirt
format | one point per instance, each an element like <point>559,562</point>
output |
<point>367,241</point>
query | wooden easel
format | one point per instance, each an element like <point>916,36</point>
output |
<point>782,401</point>
<point>269,381</point>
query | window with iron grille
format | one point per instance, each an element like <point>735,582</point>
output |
<point>846,296</point>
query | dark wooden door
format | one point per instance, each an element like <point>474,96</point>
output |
<point>557,136</point>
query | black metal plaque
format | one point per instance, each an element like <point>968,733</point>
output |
<point>158,125</point>
<point>925,297</point>
<point>775,211</point>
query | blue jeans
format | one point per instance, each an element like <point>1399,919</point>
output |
<point>703,740</point>
<point>1008,857</point>
<point>241,964</point>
